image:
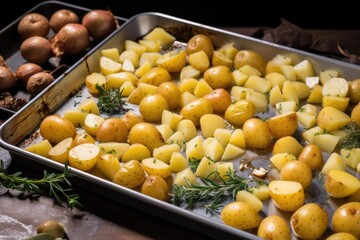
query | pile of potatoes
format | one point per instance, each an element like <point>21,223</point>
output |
<point>206,103</point>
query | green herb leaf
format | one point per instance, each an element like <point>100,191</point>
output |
<point>210,194</point>
<point>110,100</point>
<point>352,136</point>
<point>51,183</point>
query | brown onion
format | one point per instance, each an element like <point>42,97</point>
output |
<point>72,39</point>
<point>38,82</point>
<point>3,62</point>
<point>25,71</point>
<point>36,49</point>
<point>7,78</point>
<point>62,17</point>
<point>33,24</point>
<point>100,23</point>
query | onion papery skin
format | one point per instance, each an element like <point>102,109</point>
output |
<point>62,17</point>
<point>36,49</point>
<point>100,23</point>
<point>72,39</point>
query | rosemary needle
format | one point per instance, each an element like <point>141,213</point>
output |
<point>352,136</point>
<point>210,193</point>
<point>110,100</point>
<point>51,183</point>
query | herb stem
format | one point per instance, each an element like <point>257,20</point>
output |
<point>51,183</point>
<point>210,193</point>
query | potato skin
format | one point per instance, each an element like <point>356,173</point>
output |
<point>156,187</point>
<point>146,134</point>
<point>219,77</point>
<point>196,109</point>
<point>248,57</point>
<point>130,175</point>
<point>112,130</point>
<point>240,111</point>
<point>171,92</point>
<point>283,125</point>
<point>309,221</point>
<point>220,100</point>
<point>355,114</point>
<point>257,134</point>
<point>200,42</point>
<point>274,227</point>
<point>347,219</point>
<point>152,106</point>
<point>312,155</point>
<point>297,171</point>
<point>56,128</point>
<point>156,76</point>
<point>240,215</point>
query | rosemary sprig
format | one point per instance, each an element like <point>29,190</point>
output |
<point>110,100</point>
<point>51,183</point>
<point>210,194</point>
<point>352,136</point>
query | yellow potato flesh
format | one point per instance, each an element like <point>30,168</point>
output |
<point>288,196</point>
<point>340,184</point>
<point>153,166</point>
<point>84,156</point>
<point>61,150</point>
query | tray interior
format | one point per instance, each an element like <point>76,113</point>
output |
<point>61,96</point>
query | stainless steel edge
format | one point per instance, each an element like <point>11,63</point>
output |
<point>17,128</point>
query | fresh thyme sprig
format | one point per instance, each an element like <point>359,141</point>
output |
<point>110,100</point>
<point>210,194</point>
<point>352,136</point>
<point>51,183</point>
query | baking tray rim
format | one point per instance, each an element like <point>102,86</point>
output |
<point>122,190</point>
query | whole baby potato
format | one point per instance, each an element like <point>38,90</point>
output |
<point>248,57</point>
<point>341,236</point>
<point>130,175</point>
<point>146,134</point>
<point>355,113</point>
<point>196,109</point>
<point>240,215</point>
<point>112,130</point>
<point>275,228</point>
<point>257,134</point>
<point>152,106</point>
<point>240,111</point>
<point>56,128</point>
<point>200,42</point>
<point>156,187</point>
<point>297,171</point>
<point>220,100</point>
<point>131,118</point>
<point>219,77</point>
<point>354,91</point>
<point>309,221</point>
<point>156,76</point>
<point>347,219</point>
<point>312,155</point>
<point>171,92</point>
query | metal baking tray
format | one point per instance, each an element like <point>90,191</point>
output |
<point>22,127</point>
<point>10,46</point>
